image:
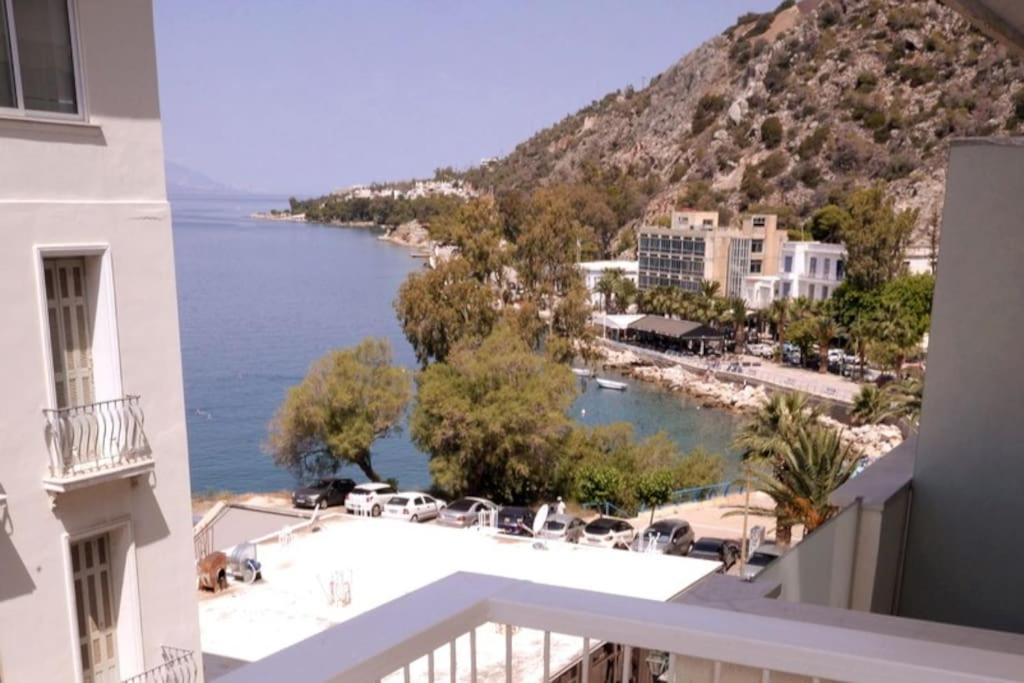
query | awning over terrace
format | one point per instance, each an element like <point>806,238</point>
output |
<point>676,329</point>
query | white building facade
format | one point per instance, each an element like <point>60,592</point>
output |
<point>97,579</point>
<point>593,271</point>
<point>811,270</point>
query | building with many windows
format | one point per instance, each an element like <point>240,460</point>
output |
<point>696,248</point>
<point>97,579</point>
<point>811,270</point>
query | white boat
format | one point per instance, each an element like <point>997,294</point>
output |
<point>611,384</point>
<point>582,372</point>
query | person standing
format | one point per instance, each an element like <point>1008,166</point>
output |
<point>560,506</point>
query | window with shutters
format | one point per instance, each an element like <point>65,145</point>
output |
<point>95,609</point>
<point>67,308</point>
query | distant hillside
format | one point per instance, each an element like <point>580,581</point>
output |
<point>184,180</point>
<point>791,109</point>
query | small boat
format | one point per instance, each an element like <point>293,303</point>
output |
<point>611,384</point>
<point>582,372</point>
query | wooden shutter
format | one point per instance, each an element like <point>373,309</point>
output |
<point>67,309</point>
<point>95,609</point>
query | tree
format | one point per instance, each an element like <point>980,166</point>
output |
<point>876,237</point>
<point>570,330</point>
<point>654,488</point>
<point>492,418</point>
<point>476,228</point>
<point>617,291</point>
<point>826,330</point>
<point>804,334</point>
<point>869,406</point>
<point>547,247</point>
<point>348,399</point>
<point>899,400</point>
<point>437,308</point>
<point>814,463</point>
<point>771,132</point>
<point>779,314</point>
<point>828,223</point>
<point>738,314</point>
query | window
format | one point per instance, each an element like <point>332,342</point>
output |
<point>824,293</point>
<point>645,243</point>
<point>756,246</point>
<point>814,266</point>
<point>95,608</point>
<point>755,266</point>
<point>787,288</point>
<point>708,223</point>
<point>759,221</point>
<point>840,269</point>
<point>38,73</point>
<point>67,308</point>
<point>827,267</point>
<point>787,264</point>
<point>810,292</point>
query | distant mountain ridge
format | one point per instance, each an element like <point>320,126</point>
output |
<point>182,180</point>
<point>791,109</point>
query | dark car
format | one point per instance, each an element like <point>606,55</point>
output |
<point>515,520</point>
<point>761,558</point>
<point>323,493</point>
<point>666,536</point>
<point>716,550</point>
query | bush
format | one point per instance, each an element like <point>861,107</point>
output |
<point>866,82</point>
<point>762,24</point>
<point>874,120</point>
<point>813,143</point>
<point>851,153</point>
<point>708,108</point>
<point>917,74</point>
<point>771,132</point>
<point>773,165</point>
<point>903,18</point>
<point>828,15</point>
<point>775,79</point>
<point>752,187</point>
<point>899,166</point>
<point>678,172</point>
<point>808,174</point>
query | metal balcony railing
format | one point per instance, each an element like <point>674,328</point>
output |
<point>179,666</point>
<point>95,437</point>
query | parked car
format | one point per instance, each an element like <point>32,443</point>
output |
<point>323,493</point>
<point>761,350</point>
<point>716,550</point>
<point>608,532</point>
<point>516,520</point>
<point>568,528</point>
<point>761,558</point>
<point>413,506</point>
<point>667,537</point>
<point>368,498</point>
<point>465,512</point>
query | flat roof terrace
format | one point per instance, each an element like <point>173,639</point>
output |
<point>386,559</point>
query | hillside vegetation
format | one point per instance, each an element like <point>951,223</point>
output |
<point>790,111</point>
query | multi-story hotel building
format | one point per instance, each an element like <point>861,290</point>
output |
<point>811,270</point>
<point>97,578</point>
<point>696,248</point>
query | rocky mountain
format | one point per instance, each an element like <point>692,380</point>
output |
<point>790,110</point>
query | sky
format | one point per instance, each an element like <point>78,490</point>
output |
<point>306,96</point>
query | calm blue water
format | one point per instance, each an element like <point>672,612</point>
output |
<point>259,301</point>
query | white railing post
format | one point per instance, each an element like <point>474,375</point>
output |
<point>452,664</point>
<point>472,655</point>
<point>547,656</point>
<point>586,660</point>
<point>508,653</point>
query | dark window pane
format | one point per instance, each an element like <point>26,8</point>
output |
<point>44,55</point>
<point>6,64</point>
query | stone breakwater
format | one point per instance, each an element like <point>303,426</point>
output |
<point>872,441</point>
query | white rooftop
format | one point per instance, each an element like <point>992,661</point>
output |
<point>386,559</point>
<point>628,266</point>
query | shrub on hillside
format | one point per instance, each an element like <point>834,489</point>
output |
<point>899,166</point>
<point>828,15</point>
<point>773,164</point>
<point>866,82</point>
<point>771,132</point>
<point>902,18</point>
<point>807,173</point>
<point>917,74</point>
<point>850,153</point>
<point>708,108</point>
<point>752,186</point>
<point>812,145</point>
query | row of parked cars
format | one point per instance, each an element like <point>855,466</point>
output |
<point>666,536</point>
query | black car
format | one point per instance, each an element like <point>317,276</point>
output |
<point>515,520</point>
<point>717,550</point>
<point>323,493</point>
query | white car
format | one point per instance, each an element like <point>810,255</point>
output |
<point>608,532</point>
<point>368,498</point>
<point>761,350</point>
<point>413,506</point>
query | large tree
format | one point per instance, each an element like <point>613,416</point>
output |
<point>492,418</point>
<point>876,237</point>
<point>477,229</point>
<point>439,307</point>
<point>348,399</point>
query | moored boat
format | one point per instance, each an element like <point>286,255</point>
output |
<point>582,372</point>
<point>611,384</point>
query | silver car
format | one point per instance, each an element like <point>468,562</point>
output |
<point>666,536</point>
<point>465,512</point>
<point>568,528</point>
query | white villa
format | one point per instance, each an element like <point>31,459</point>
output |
<point>593,271</point>
<point>807,269</point>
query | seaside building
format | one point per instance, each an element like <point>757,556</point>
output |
<point>695,248</point>
<point>97,579</point>
<point>593,271</point>
<point>807,269</point>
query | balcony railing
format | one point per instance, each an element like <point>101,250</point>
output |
<point>439,633</point>
<point>179,666</point>
<point>95,438</point>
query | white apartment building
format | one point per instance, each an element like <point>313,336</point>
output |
<point>97,579</point>
<point>811,270</point>
<point>593,271</point>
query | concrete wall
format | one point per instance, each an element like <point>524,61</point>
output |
<point>99,182</point>
<point>964,556</point>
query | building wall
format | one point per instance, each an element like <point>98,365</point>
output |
<point>963,556</point>
<point>100,183</point>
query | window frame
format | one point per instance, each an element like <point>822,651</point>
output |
<point>19,112</point>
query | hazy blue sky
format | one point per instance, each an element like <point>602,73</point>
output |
<point>301,96</point>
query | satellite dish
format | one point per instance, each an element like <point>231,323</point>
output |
<point>539,519</point>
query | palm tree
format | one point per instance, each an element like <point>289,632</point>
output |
<point>813,465</point>
<point>779,315</point>
<point>900,400</point>
<point>862,332</point>
<point>738,315</point>
<point>606,288</point>
<point>827,330</point>
<point>868,406</point>
<point>709,289</point>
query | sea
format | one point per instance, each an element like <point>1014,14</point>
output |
<point>260,300</point>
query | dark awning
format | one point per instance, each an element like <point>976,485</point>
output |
<point>677,329</point>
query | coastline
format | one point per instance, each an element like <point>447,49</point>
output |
<point>870,441</point>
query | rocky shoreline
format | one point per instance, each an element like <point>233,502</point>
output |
<point>871,441</point>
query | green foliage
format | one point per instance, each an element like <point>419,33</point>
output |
<point>751,185</point>
<point>807,173</point>
<point>386,211</point>
<point>477,229</point>
<point>772,132</point>
<point>439,307</point>
<point>348,399</point>
<point>654,488</point>
<point>828,223</point>
<point>492,418</point>
<point>867,81</point>
<point>617,291</point>
<point>899,166</point>
<point>902,17</point>
<point>708,108</point>
<point>876,237</point>
<point>828,15</point>
<point>812,145</point>
<point>774,164</point>
<point>900,400</point>
<point>917,73</point>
